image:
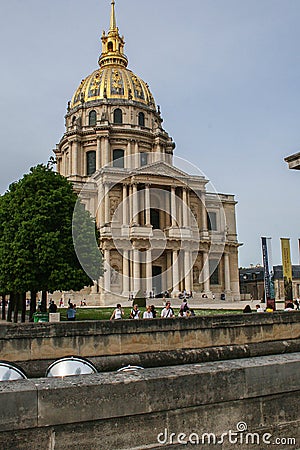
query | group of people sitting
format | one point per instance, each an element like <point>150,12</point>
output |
<point>151,313</point>
<point>290,306</point>
<point>185,294</point>
<point>135,313</point>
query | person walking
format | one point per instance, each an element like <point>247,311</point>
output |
<point>52,307</point>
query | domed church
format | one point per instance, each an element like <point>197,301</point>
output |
<point>160,229</point>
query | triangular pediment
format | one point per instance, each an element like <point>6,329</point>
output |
<point>160,168</point>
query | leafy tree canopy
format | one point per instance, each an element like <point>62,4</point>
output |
<point>36,243</point>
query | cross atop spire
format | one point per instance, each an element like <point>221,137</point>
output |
<point>113,22</point>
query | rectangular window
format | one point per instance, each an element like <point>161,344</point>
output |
<point>91,162</point>
<point>214,271</point>
<point>212,221</point>
<point>118,158</point>
<point>143,157</point>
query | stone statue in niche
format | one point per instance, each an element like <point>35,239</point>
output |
<point>195,274</point>
<point>114,276</point>
<point>193,210</point>
<point>113,206</point>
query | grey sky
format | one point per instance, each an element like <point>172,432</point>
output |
<point>226,74</point>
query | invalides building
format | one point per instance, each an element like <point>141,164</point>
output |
<point>160,229</point>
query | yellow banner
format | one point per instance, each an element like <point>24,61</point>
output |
<point>287,268</point>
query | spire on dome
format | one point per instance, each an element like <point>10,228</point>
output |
<point>113,22</point>
<point>112,44</point>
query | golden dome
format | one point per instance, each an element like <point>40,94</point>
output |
<point>113,81</point>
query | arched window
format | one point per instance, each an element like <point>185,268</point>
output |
<point>73,120</point>
<point>110,47</point>
<point>118,116</point>
<point>141,119</point>
<point>92,118</point>
<point>90,162</point>
<point>118,158</point>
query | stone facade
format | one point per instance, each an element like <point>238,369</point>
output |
<point>160,229</point>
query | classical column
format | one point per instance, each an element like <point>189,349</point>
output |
<point>100,206</point>
<point>98,154</point>
<point>206,272</point>
<point>136,156</point>
<point>126,272</point>
<point>135,204</point>
<point>227,272</point>
<point>203,212</point>
<point>69,161</point>
<point>185,209</point>
<point>167,206</point>
<point>136,270</point>
<point>106,151</point>
<point>130,203</point>
<point>175,274</point>
<point>169,269</point>
<point>107,270</point>
<point>187,270</point>
<point>128,157</point>
<point>158,152</point>
<point>75,157</point>
<point>106,203</point>
<point>173,207</point>
<point>148,271</point>
<point>147,206</point>
<point>125,205</point>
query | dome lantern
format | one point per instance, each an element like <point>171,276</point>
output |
<point>112,44</point>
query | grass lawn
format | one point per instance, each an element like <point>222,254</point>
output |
<point>105,313</point>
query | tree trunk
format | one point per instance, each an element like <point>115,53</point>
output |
<point>17,306</point>
<point>11,306</point>
<point>44,302</point>
<point>3,307</point>
<point>23,300</point>
<point>32,305</point>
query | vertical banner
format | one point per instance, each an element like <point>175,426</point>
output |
<point>268,275</point>
<point>287,270</point>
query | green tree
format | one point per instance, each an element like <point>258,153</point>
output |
<point>36,243</point>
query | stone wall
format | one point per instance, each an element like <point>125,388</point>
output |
<point>150,343</point>
<point>121,411</point>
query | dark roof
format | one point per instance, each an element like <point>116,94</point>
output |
<point>259,272</point>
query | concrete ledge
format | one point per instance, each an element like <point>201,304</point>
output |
<point>104,338</point>
<point>115,411</point>
<point>37,368</point>
<point>18,405</point>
